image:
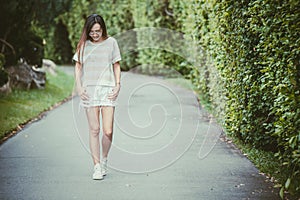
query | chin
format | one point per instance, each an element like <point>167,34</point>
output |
<point>96,39</point>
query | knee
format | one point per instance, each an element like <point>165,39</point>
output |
<point>108,133</point>
<point>94,131</point>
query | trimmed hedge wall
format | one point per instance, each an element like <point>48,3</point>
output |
<point>255,48</point>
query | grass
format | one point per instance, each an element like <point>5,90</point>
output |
<point>185,83</point>
<point>20,106</point>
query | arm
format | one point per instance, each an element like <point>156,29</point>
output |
<point>117,74</point>
<point>78,73</point>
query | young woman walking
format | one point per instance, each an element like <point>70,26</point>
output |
<point>97,76</point>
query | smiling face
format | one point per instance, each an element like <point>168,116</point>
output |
<point>96,33</point>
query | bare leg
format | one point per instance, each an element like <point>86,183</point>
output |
<point>107,124</point>
<point>94,128</point>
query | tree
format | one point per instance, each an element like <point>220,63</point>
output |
<point>18,38</point>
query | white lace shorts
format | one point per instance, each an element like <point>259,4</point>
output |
<point>98,96</point>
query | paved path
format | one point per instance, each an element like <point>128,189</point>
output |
<point>164,148</point>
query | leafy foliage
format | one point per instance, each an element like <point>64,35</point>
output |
<point>19,25</point>
<point>254,46</point>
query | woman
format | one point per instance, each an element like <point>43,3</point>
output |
<point>97,76</point>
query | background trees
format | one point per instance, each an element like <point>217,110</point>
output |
<point>26,26</point>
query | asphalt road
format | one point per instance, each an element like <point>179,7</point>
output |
<point>165,147</point>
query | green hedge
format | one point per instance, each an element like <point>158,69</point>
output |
<point>265,64</point>
<point>254,54</point>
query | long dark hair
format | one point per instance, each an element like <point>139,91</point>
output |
<point>89,23</point>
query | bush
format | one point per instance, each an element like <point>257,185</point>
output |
<point>254,46</point>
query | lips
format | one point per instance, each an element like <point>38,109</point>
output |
<point>95,38</point>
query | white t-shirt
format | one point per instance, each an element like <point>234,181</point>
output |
<point>97,62</point>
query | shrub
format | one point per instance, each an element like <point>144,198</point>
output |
<point>254,48</point>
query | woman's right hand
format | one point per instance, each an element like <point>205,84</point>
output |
<point>83,94</point>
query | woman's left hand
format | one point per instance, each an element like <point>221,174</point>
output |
<point>113,96</point>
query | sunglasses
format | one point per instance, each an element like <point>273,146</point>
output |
<point>98,32</point>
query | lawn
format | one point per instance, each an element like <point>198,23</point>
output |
<point>22,106</point>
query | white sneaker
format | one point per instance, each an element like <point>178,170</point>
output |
<point>104,166</point>
<point>97,175</point>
